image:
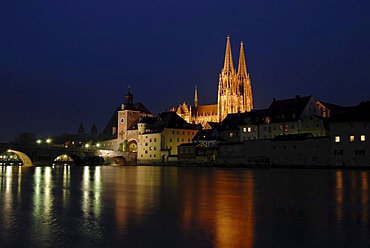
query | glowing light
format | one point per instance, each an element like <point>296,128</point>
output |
<point>48,141</point>
<point>337,139</point>
<point>87,145</point>
<point>363,138</point>
<point>39,141</point>
<point>97,145</point>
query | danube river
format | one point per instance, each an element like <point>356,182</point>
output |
<point>148,206</point>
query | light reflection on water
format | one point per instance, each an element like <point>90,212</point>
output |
<point>183,207</point>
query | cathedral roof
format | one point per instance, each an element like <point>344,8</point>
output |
<point>204,110</point>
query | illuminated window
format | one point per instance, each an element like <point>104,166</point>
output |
<point>249,129</point>
<point>337,139</point>
<point>286,128</point>
<point>244,129</point>
<point>231,134</point>
<point>362,137</point>
<point>351,138</point>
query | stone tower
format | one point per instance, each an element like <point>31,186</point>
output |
<point>244,83</point>
<point>234,88</point>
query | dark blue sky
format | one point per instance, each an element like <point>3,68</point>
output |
<point>63,62</point>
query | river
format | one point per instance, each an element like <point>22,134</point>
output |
<point>152,206</point>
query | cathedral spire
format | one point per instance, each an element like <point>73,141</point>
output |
<point>242,66</point>
<point>196,96</point>
<point>228,63</point>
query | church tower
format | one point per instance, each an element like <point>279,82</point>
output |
<point>244,83</point>
<point>228,90</point>
<point>234,88</point>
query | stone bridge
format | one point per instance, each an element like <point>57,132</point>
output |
<point>43,155</point>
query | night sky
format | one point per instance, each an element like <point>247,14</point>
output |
<point>63,62</point>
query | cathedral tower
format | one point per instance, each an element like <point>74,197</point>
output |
<point>244,83</point>
<point>234,88</point>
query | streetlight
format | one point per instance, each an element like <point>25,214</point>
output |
<point>48,141</point>
<point>39,141</point>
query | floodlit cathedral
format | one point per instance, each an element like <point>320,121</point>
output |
<point>234,93</point>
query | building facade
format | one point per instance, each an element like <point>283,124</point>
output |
<point>158,141</point>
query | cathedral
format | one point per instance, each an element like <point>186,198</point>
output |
<point>234,93</point>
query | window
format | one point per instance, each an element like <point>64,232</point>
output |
<point>170,139</point>
<point>360,152</point>
<point>249,129</point>
<point>351,138</point>
<point>177,140</point>
<point>155,139</point>
<point>362,137</point>
<point>231,134</point>
<point>337,139</point>
<point>286,128</point>
<point>244,129</point>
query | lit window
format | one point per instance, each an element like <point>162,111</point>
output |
<point>249,129</point>
<point>337,139</point>
<point>362,138</point>
<point>351,138</point>
<point>244,129</point>
<point>231,135</point>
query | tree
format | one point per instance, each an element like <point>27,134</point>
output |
<point>25,138</point>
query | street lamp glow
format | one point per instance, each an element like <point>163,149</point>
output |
<point>97,145</point>
<point>87,145</point>
<point>38,141</point>
<point>48,141</point>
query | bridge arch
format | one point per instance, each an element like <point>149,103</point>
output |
<point>117,160</point>
<point>76,159</point>
<point>26,161</point>
<point>132,145</point>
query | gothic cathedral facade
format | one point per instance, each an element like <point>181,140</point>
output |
<point>234,93</point>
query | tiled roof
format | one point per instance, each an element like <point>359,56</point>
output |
<point>172,120</point>
<point>361,112</point>
<point>288,109</point>
<point>206,110</point>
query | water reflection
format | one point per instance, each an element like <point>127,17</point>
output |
<point>183,207</point>
<point>220,207</point>
<point>352,197</point>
